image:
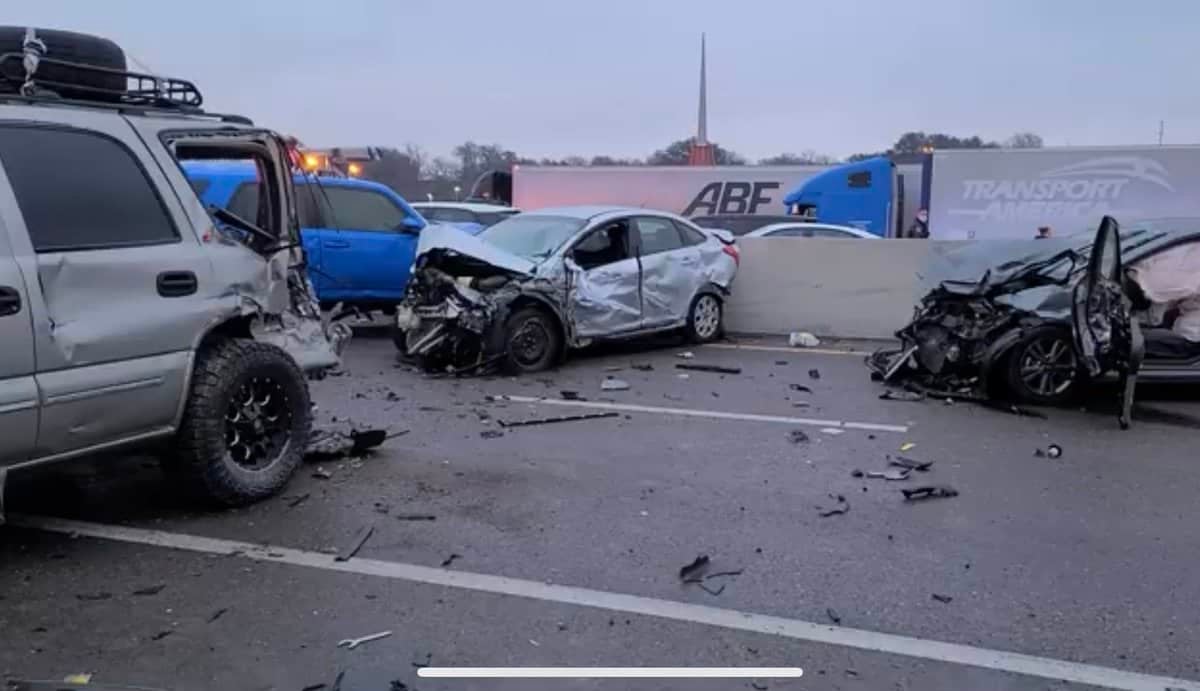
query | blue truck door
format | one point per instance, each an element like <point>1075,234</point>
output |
<point>312,225</point>
<point>368,243</point>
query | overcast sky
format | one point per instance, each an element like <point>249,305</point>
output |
<point>619,77</point>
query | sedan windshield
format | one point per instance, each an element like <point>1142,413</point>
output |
<point>532,236</point>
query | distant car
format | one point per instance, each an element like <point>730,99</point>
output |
<point>472,217</point>
<point>529,288</point>
<point>741,224</point>
<point>811,230</point>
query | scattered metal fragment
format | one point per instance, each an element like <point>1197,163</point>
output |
<point>889,474</point>
<point>151,590</point>
<point>491,433</point>
<point>314,687</point>
<point>833,615</point>
<point>814,373</point>
<point>337,681</point>
<point>801,404</point>
<point>352,643</point>
<point>360,539</point>
<point>161,635</point>
<point>560,418</point>
<point>415,517</point>
<point>1017,410</point>
<point>797,436</point>
<point>695,568</point>
<point>842,507</point>
<point>856,473</point>
<point>569,395</point>
<point>907,446</point>
<point>297,500</point>
<point>758,687</point>
<point>611,384</point>
<point>901,395</point>
<point>642,366</point>
<point>905,462</point>
<point>683,375</point>
<point>613,368</point>
<point>450,559</point>
<point>397,685</point>
<point>799,387</point>
<point>326,444</point>
<point>321,474</point>
<point>93,597</point>
<point>686,355</point>
<point>942,598</point>
<point>929,492</point>
<point>217,614</point>
<point>723,574</point>
<point>699,367</point>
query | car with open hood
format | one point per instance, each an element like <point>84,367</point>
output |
<point>529,288</point>
<point>1123,303</point>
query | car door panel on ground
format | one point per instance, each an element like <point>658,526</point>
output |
<point>605,294</point>
<point>670,271</point>
<point>95,267</point>
<point>18,388</point>
<point>366,253</point>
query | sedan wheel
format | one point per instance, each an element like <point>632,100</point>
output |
<point>1043,368</point>
<point>704,320</point>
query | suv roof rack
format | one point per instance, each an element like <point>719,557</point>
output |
<point>145,92</point>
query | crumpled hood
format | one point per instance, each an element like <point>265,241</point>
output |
<point>461,253</point>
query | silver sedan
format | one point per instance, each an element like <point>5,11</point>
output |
<point>528,289</point>
<point>811,230</point>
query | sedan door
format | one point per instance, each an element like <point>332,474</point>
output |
<point>604,294</point>
<point>367,250</point>
<point>18,389</point>
<point>671,274</point>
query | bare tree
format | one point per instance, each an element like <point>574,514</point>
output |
<point>807,157</point>
<point>1024,140</point>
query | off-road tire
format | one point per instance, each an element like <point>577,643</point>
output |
<point>695,330</point>
<point>71,47</point>
<point>1018,387</point>
<point>515,363</point>
<point>201,460</point>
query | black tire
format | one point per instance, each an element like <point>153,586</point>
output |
<point>532,341</point>
<point>206,457</point>
<point>700,327</point>
<point>71,47</point>
<point>1042,367</point>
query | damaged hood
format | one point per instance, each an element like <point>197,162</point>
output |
<point>460,253</point>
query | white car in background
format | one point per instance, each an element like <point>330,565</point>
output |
<point>472,217</point>
<point>811,230</point>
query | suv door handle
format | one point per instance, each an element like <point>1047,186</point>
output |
<point>337,244</point>
<point>177,284</point>
<point>10,301</point>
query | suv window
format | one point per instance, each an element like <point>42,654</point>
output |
<point>658,235</point>
<point>604,245</point>
<point>357,209</point>
<point>78,190</point>
<point>244,202</point>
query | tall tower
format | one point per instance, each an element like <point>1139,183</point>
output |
<point>701,151</point>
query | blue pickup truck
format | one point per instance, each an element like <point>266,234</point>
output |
<point>360,236</point>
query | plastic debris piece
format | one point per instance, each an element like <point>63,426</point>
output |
<point>908,446</point>
<point>491,433</point>
<point>613,368</point>
<point>833,430</point>
<point>797,436</point>
<point>78,678</point>
<point>151,590</point>
<point>568,395</point>
<point>856,473</point>
<point>941,598</point>
<point>803,339</point>
<point>415,517</point>
<point>94,597</point>
<point>161,635</point>
<point>889,474</point>
<point>719,369</point>
<point>799,387</point>
<point>217,614</point>
<point>814,373</point>
<point>686,355</point>
<point>905,462</point>
<point>321,474</point>
<point>929,492</point>
<point>1054,451</point>
<point>352,643</point>
<point>360,539</point>
<point>642,366</point>
<point>781,362</point>
<point>842,507</point>
<point>695,568</point>
<point>560,418</point>
<point>612,384</point>
<point>450,559</point>
<point>833,615</point>
<point>683,375</point>
<point>297,500</point>
<point>901,395</point>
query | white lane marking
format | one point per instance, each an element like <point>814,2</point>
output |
<point>785,349</point>
<point>716,414</point>
<point>610,672</point>
<point>861,639</point>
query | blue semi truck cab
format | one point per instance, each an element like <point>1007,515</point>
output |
<point>360,236</point>
<point>874,195</point>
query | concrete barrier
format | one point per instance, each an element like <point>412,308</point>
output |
<point>844,288</point>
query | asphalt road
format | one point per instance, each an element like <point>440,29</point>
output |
<point>1086,561</point>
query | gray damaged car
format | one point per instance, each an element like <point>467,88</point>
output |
<point>1055,314</point>
<point>527,290</point>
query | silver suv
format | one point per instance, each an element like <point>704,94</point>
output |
<point>130,314</point>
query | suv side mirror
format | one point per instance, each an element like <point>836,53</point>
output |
<point>411,224</point>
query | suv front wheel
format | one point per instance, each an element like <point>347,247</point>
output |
<point>247,422</point>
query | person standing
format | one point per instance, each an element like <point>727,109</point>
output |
<point>920,226</point>
<point>1043,233</point>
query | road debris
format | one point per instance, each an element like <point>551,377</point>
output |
<point>415,517</point>
<point>857,473</point>
<point>1051,451</point>
<point>352,643</point>
<point>217,614</point>
<point>929,492</point>
<point>694,569</point>
<point>151,589</point>
<point>297,500</point>
<point>569,395</point>
<point>797,436</point>
<point>321,474</point>
<point>834,431</point>
<point>428,661</point>
<point>909,463</point>
<point>93,597</point>
<point>314,687</point>
<point>800,387</point>
<point>686,355</point>
<point>683,375</point>
<point>612,384</point>
<point>397,685</point>
<point>803,339</point>
<point>719,369</point>
<point>552,420</point>
<point>801,404</point>
<point>450,559</point>
<point>327,444</point>
<point>491,433</point>
<point>613,368</point>
<point>889,474</point>
<point>781,363</point>
<point>944,599</point>
<point>360,539</point>
<point>833,615</point>
<point>814,373</point>
<point>842,507</point>
<point>161,635</point>
<point>672,397</point>
<point>908,446</point>
<point>901,395</point>
<point>758,686</point>
<point>1013,409</point>
<point>642,366</point>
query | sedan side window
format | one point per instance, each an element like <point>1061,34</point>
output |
<point>658,235</point>
<point>605,245</point>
